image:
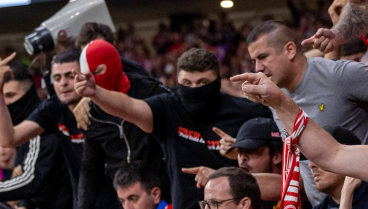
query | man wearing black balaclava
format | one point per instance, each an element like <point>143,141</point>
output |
<point>44,178</point>
<point>182,123</point>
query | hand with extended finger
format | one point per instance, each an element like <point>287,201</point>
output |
<point>84,84</point>
<point>202,174</point>
<point>225,144</point>
<point>258,88</point>
<point>81,113</point>
<point>350,184</point>
<point>325,40</point>
<point>5,69</point>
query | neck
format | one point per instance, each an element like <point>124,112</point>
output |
<point>7,164</point>
<point>299,68</point>
<point>72,106</point>
<point>276,170</point>
<point>336,194</point>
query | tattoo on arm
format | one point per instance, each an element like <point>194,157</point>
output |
<point>354,19</point>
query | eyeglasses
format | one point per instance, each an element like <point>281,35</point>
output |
<point>213,204</point>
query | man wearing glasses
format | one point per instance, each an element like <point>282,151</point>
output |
<point>231,188</point>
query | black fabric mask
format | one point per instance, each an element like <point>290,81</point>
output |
<point>20,109</point>
<point>201,102</point>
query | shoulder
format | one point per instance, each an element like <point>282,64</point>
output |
<point>133,67</point>
<point>53,101</point>
<point>143,86</point>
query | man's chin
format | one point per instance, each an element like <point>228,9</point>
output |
<point>70,101</point>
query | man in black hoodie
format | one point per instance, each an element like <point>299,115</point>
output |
<point>111,140</point>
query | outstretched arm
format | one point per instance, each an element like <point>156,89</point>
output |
<point>315,143</point>
<point>115,103</point>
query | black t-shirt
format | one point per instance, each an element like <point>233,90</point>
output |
<point>189,143</point>
<point>55,117</point>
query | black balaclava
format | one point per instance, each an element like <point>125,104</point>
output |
<point>203,101</point>
<point>20,109</point>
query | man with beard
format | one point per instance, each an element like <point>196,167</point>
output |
<point>259,147</point>
<point>331,183</point>
<point>182,123</point>
<point>44,177</point>
<point>54,115</point>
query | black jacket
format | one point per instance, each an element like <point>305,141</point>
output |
<point>105,143</point>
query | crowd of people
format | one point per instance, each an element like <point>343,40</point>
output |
<point>124,129</point>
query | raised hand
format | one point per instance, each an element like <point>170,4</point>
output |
<point>81,113</point>
<point>325,40</point>
<point>258,88</point>
<point>202,174</point>
<point>84,84</point>
<point>225,144</point>
<point>5,69</point>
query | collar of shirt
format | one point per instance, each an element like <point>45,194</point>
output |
<point>162,204</point>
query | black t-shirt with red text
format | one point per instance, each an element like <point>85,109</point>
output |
<point>55,117</point>
<point>189,142</point>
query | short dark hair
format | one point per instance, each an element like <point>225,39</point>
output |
<point>91,30</point>
<point>283,36</point>
<point>275,146</point>
<point>67,57</point>
<point>242,184</point>
<point>133,172</point>
<point>343,135</point>
<point>21,72</point>
<point>353,47</point>
<point>198,60</point>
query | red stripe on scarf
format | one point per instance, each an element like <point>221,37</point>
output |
<point>290,198</point>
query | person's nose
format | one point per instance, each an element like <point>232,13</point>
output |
<point>259,66</point>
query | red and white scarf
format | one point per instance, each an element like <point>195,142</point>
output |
<point>290,198</point>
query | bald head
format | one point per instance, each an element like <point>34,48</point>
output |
<point>278,35</point>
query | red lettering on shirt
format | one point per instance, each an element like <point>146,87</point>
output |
<point>75,138</point>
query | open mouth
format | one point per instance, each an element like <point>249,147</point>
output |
<point>246,169</point>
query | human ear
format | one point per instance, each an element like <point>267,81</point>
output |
<point>246,203</point>
<point>290,49</point>
<point>156,194</point>
<point>277,158</point>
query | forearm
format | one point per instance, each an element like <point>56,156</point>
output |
<point>270,186</point>
<point>316,144</point>
<point>354,19</point>
<point>334,55</point>
<point>121,105</point>
<point>6,125</point>
<point>346,201</point>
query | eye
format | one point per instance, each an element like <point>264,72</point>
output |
<point>187,83</point>
<point>204,82</point>
<point>9,96</point>
<point>134,199</point>
<point>56,78</point>
<point>212,202</point>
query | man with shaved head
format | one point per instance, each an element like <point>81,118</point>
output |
<point>330,92</point>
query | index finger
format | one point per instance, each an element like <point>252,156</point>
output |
<point>250,77</point>
<point>8,59</point>
<point>78,76</point>
<point>219,132</point>
<point>308,41</point>
<point>193,170</point>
